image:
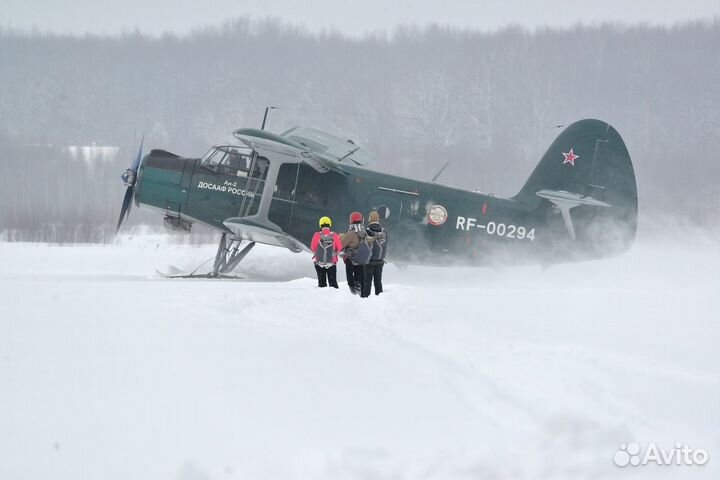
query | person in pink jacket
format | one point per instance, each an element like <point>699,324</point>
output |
<point>326,246</point>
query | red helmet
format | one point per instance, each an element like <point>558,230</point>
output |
<point>356,217</point>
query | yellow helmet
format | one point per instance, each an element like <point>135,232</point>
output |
<point>325,221</point>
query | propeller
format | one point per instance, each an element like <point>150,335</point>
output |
<point>129,177</point>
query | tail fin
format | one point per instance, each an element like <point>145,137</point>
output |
<point>587,176</point>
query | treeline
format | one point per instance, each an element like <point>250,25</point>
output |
<point>490,103</point>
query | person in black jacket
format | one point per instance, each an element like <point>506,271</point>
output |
<point>377,239</point>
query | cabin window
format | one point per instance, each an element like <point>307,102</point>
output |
<point>212,158</point>
<point>287,179</point>
<point>383,211</point>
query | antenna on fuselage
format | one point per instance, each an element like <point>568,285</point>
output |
<point>440,171</point>
<point>267,109</point>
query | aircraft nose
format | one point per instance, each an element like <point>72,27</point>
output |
<point>139,177</point>
<point>129,178</point>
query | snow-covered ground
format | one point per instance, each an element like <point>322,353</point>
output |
<point>108,371</point>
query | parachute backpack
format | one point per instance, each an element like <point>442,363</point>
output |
<point>325,251</point>
<point>364,251</point>
<point>379,246</point>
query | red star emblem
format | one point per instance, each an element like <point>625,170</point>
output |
<point>570,157</point>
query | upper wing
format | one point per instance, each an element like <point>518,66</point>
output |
<point>270,145</point>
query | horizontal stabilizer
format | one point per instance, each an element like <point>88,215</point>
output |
<point>565,201</point>
<point>568,198</point>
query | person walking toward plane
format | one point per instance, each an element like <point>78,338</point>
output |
<point>350,243</point>
<point>326,245</point>
<point>377,241</point>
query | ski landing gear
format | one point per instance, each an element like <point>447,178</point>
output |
<point>228,256</point>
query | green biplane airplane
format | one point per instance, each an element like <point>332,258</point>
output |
<point>579,203</point>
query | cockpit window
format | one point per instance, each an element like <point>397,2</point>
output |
<point>234,161</point>
<point>212,158</point>
<point>329,146</point>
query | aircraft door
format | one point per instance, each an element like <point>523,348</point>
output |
<point>283,202</point>
<point>317,195</point>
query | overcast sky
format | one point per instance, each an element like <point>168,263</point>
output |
<point>351,17</point>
